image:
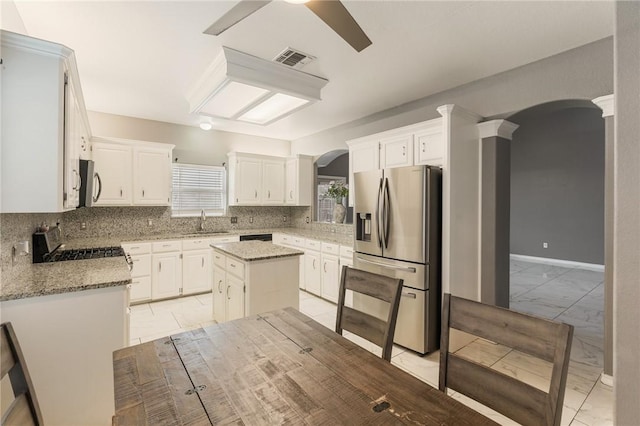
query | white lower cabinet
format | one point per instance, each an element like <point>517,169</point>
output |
<point>219,291</point>
<point>297,243</point>
<point>166,276</point>
<point>196,271</point>
<point>330,273</point>
<point>346,258</point>
<point>234,297</point>
<point>312,275</point>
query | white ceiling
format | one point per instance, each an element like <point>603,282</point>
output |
<point>140,59</point>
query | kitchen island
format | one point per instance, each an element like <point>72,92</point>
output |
<point>251,277</point>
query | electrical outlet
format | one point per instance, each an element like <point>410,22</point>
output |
<point>306,219</point>
<point>250,219</point>
<point>234,219</point>
<point>149,222</point>
<point>284,218</point>
<point>545,245</point>
<point>83,225</point>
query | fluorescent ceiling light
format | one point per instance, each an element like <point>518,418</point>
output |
<point>236,85</point>
<point>277,105</point>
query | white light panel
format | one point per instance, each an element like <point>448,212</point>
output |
<point>232,98</point>
<point>272,108</point>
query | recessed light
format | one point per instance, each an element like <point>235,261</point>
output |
<point>205,126</point>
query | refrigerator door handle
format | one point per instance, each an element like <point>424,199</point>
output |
<point>398,268</point>
<point>377,215</point>
<point>386,213</point>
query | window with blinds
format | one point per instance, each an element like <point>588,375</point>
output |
<point>197,187</point>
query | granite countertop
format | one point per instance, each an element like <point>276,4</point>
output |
<point>63,277</point>
<point>42,279</point>
<point>249,251</point>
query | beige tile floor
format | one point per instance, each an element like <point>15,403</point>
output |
<point>574,296</point>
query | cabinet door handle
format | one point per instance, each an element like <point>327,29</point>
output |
<point>314,264</point>
<point>410,295</point>
<point>166,245</point>
<point>203,261</point>
<point>324,266</point>
<point>136,260</point>
<point>423,146</point>
<point>143,193</point>
<point>228,287</point>
<point>159,266</point>
<point>121,192</point>
<point>268,193</point>
<point>404,149</point>
<point>220,286</point>
<point>255,193</point>
<point>291,194</point>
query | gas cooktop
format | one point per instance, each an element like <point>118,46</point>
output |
<point>84,253</point>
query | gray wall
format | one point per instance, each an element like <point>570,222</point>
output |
<point>626,368</point>
<point>557,184</point>
<point>582,73</point>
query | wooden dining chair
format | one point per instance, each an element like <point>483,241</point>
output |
<point>24,409</point>
<point>544,339</point>
<point>367,326</point>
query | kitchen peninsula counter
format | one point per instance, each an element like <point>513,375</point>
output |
<point>43,279</point>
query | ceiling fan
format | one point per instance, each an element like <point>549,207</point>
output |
<point>332,12</point>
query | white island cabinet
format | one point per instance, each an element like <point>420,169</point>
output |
<point>252,277</point>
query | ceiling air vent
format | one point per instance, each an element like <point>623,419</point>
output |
<point>293,58</point>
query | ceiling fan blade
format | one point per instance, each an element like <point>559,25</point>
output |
<point>236,14</point>
<point>335,15</point>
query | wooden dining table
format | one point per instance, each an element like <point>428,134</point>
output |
<point>280,367</point>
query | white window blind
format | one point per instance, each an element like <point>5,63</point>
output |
<point>197,187</point>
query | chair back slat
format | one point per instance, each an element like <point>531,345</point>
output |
<point>364,325</point>
<point>19,413</point>
<point>373,285</point>
<point>511,397</point>
<point>373,329</point>
<point>538,337</point>
<point>24,409</point>
<point>6,355</point>
<point>535,336</point>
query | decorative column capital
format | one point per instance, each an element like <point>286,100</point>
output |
<point>606,104</point>
<point>500,128</point>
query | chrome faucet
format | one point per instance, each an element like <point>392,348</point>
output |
<point>203,217</point>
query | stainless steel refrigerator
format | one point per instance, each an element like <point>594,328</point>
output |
<point>397,219</point>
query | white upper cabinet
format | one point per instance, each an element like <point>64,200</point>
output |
<point>245,180</point>
<point>132,172</point>
<point>429,144</point>
<point>396,151</point>
<point>273,181</point>
<point>113,165</point>
<point>39,162</point>
<point>151,176</point>
<point>256,180</point>
<point>363,155</point>
<point>299,181</point>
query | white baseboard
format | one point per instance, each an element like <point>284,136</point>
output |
<point>606,379</point>
<point>559,262</point>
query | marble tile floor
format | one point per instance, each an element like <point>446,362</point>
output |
<point>566,294</point>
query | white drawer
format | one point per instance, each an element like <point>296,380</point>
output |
<point>235,267</point>
<point>166,246</point>
<point>137,248</point>
<point>329,248</point>
<point>229,239</point>
<point>297,242</point>
<point>196,244</point>
<point>313,245</point>
<point>219,259</point>
<point>346,251</point>
<point>141,265</point>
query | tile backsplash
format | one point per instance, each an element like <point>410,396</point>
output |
<point>140,221</point>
